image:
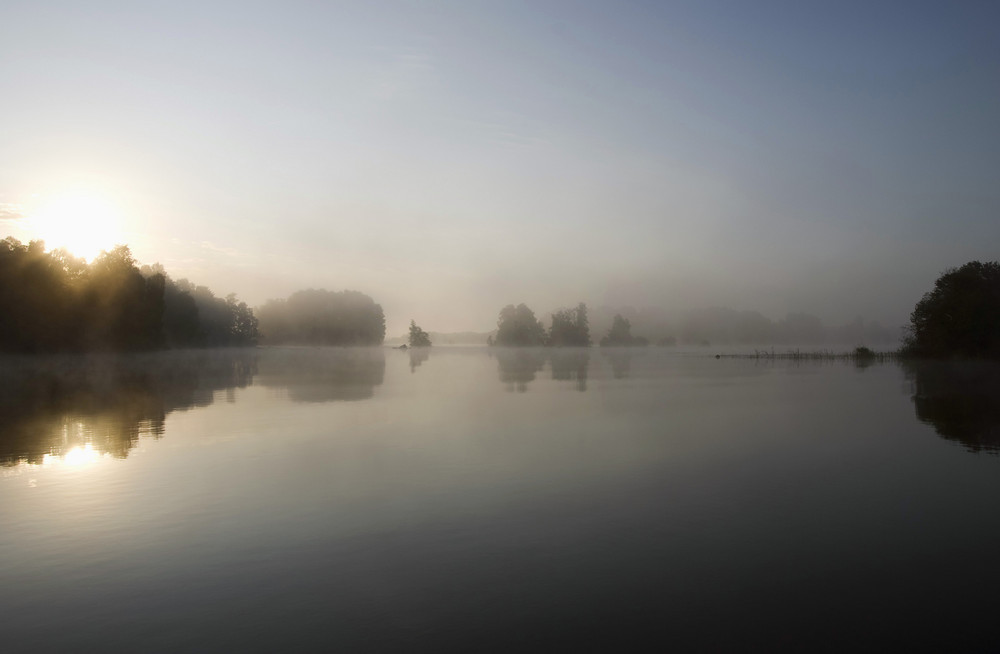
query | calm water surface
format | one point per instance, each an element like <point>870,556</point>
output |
<point>466,499</point>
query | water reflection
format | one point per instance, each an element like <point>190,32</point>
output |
<point>518,366</point>
<point>568,365</point>
<point>621,361</point>
<point>961,400</point>
<point>76,407</point>
<point>417,356</point>
<point>323,374</point>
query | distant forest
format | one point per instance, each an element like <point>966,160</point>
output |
<point>723,325</point>
<point>713,326</point>
<point>319,317</point>
<point>637,327</point>
<point>55,302</point>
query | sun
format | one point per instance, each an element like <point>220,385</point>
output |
<point>82,221</point>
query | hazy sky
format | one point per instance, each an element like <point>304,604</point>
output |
<point>450,158</point>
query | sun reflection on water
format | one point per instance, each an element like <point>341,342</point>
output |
<point>76,456</point>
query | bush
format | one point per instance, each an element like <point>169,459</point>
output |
<point>960,317</point>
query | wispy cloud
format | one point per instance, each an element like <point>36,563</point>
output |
<point>11,211</point>
<point>212,247</point>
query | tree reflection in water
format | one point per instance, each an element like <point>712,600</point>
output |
<point>961,400</point>
<point>621,361</point>
<point>417,356</point>
<point>323,374</point>
<point>104,404</point>
<point>571,364</point>
<point>518,366</point>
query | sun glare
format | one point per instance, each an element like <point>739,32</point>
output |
<point>76,456</point>
<point>83,222</point>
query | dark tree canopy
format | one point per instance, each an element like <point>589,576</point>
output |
<point>570,327</point>
<point>418,337</point>
<point>321,317</point>
<point>621,334</point>
<point>54,302</point>
<point>195,317</point>
<point>518,326</point>
<point>960,317</point>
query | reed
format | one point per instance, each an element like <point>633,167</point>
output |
<point>860,354</point>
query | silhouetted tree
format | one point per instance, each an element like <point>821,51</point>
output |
<point>621,334</point>
<point>418,337</point>
<point>181,324</point>
<point>570,327</point>
<point>960,317</point>
<point>221,322</point>
<point>37,299</point>
<point>518,326</point>
<point>122,309</point>
<point>243,328</point>
<point>52,301</point>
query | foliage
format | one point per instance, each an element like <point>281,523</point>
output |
<point>54,302</point>
<point>518,326</point>
<point>570,327</point>
<point>862,353</point>
<point>418,337</point>
<point>321,317</point>
<point>621,334</point>
<point>39,298</point>
<point>960,317</point>
<point>195,317</point>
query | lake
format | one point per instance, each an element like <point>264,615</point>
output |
<point>471,499</point>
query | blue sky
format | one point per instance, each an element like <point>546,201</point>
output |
<point>450,158</point>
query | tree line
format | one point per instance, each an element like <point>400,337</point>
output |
<point>518,326</point>
<point>958,318</point>
<point>714,325</point>
<point>321,317</point>
<point>55,302</point>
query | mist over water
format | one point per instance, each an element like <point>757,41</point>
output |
<point>733,263</point>
<point>370,499</point>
